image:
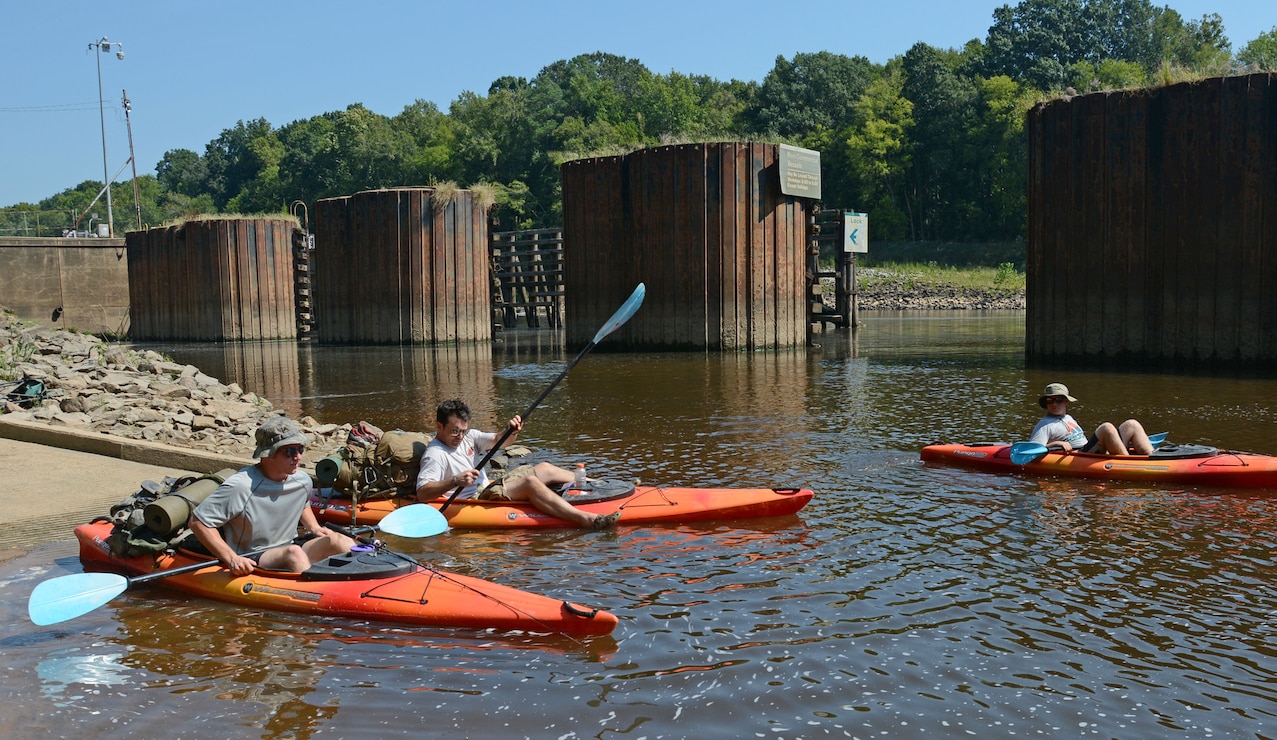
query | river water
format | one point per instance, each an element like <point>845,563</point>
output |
<point>907,600</point>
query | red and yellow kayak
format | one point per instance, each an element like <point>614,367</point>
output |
<point>378,585</point>
<point>637,504</point>
<point>1190,464</point>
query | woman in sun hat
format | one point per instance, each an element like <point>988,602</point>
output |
<point>1059,430</point>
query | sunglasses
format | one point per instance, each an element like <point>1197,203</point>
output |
<point>293,450</point>
<point>1056,399</point>
<point>457,432</point>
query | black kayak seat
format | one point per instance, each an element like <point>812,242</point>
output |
<point>1176,452</point>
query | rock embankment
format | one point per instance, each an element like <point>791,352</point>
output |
<point>883,290</point>
<point>92,385</point>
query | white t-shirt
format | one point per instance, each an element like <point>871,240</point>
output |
<point>1055,428</point>
<point>441,462</point>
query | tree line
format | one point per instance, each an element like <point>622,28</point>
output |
<point>931,144</point>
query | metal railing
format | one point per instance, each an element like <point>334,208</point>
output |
<point>47,223</point>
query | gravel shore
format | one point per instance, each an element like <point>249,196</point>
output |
<point>93,386</point>
<point>893,291</point>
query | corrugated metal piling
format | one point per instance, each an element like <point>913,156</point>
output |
<point>705,226</point>
<point>213,279</point>
<point>1152,230</point>
<point>402,266</point>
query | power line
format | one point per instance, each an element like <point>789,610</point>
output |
<point>58,108</point>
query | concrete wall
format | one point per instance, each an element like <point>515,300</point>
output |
<point>80,284</point>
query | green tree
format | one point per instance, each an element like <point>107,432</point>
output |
<point>941,182</point>
<point>182,171</point>
<point>879,147</point>
<point>310,168</point>
<point>1261,52</point>
<point>996,146</point>
<point>1194,45</point>
<point>1038,40</point>
<point>235,158</point>
<point>430,147</point>
<point>1108,74</point>
<point>810,92</point>
<point>495,142</point>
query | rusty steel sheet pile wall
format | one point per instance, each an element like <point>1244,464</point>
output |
<point>706,228</point>
<point>398,267</point>
<point>213,279</point>
<point>1152,228</point>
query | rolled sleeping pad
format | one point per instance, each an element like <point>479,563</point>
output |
<point>169,513</point>
<point>328,470</point>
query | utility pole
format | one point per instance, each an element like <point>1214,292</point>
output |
<point>103,46</point>
<point>137,202</point>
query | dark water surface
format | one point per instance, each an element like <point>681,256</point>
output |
<point>906,600</point>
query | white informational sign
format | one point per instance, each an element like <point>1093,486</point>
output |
<point>799,171</point>
<point>855,232</point>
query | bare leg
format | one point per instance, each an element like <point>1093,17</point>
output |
<point>297,558</point>
<point>534,490</point>
<point>331,543</point>
<point>1108,437</point>
<point>289,558</point>
<point>1135,438</point>
<point>552,475</point>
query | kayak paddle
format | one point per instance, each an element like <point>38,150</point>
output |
<point>622,315</point>
<point>66,597</point>
<point>1027,452</point>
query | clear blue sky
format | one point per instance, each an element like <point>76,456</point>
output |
<point>193,68</point>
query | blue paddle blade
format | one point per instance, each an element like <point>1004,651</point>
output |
<point>623,313</point>
<point>1157,439</point>
<point>1026,452</point>
<point>417,520</point>
<point>59,599</point>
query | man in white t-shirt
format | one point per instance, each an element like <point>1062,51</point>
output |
<point>1059,430</point>
<point>449,461</point>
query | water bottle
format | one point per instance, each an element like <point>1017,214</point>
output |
<point>580,483</point>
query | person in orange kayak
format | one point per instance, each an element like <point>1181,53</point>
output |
<point>1060,431</point>
<point>262,505</point>
<point>449,460</point>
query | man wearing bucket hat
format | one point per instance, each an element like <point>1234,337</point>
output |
<point>1059,430</point>
<point>262,505</point>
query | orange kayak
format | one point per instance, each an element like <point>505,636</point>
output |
<point>377,585</point>
<point>637,504</point>
<point>1190,464</point>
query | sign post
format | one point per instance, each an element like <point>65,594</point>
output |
<point>855,240</point>
<point>855,232</point>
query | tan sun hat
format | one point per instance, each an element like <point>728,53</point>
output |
<point>1055,389</point>
<point>275,433</point>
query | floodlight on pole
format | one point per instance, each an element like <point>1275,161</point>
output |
<point>103,46</point>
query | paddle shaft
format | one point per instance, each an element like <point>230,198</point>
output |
<point>622,315</point>
<point>509,430</point>
<point>200,566</point>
